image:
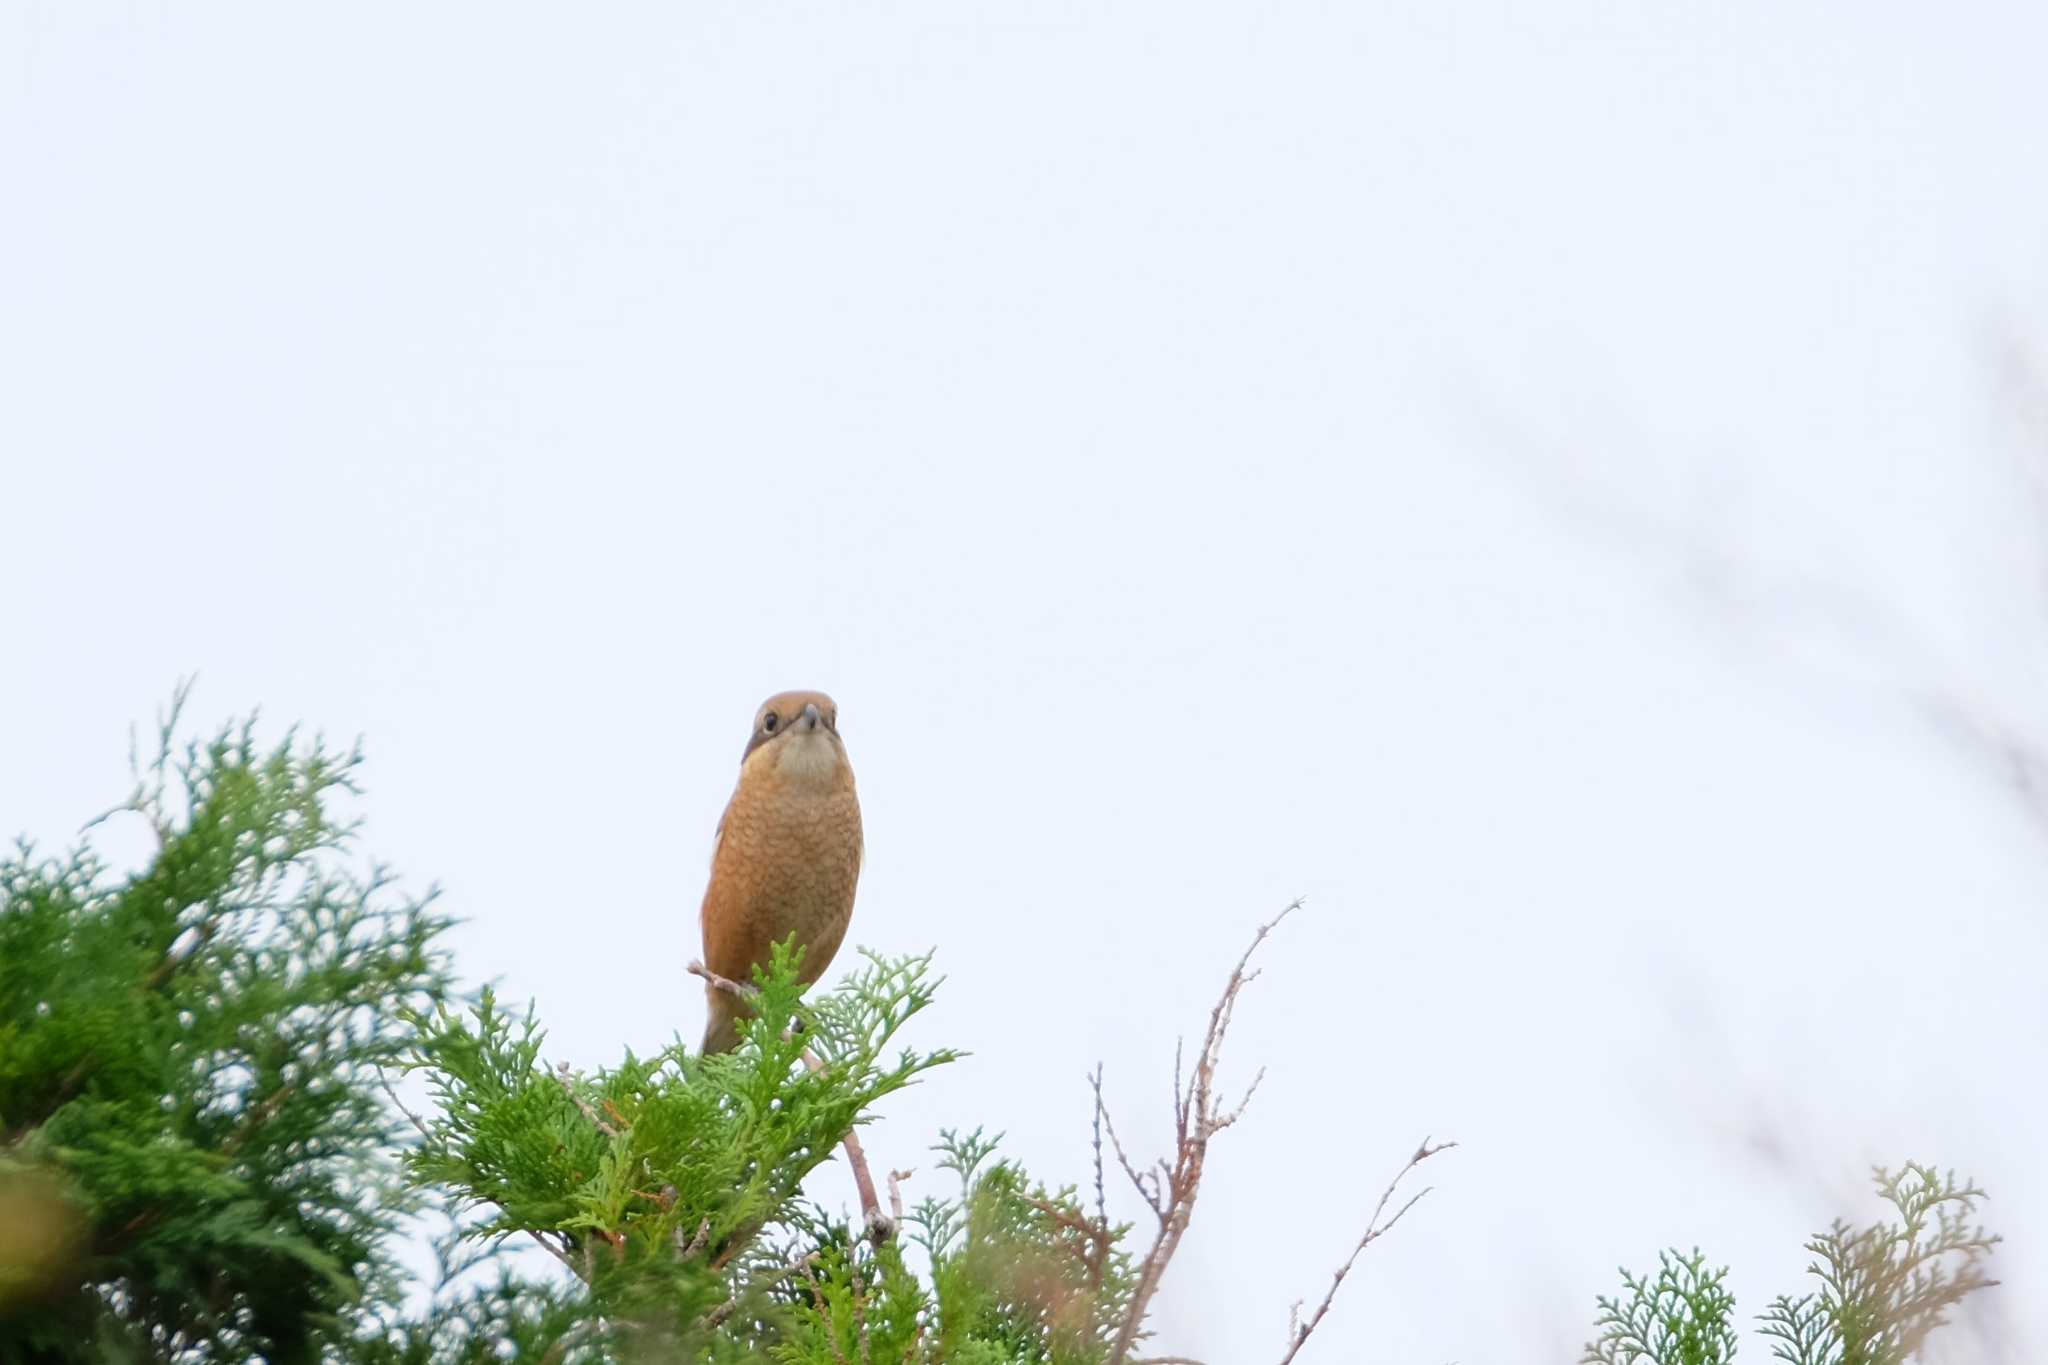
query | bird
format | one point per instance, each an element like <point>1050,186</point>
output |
<point>787,855</point>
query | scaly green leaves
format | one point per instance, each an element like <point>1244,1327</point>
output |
<point>1887,1286</point>
<point>191,1054</point>
<point>1679,1318</point>
<point>653,1179</point>
<point>1884,1289</point>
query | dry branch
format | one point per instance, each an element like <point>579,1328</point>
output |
<point>896,1179</point>
<point>1197,1117</point>
<point>1169,1188</point>
<point>1298,1331</point>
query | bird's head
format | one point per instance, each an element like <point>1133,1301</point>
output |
<point>798,734</point>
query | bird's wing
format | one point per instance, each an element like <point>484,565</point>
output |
<point>718,835</point>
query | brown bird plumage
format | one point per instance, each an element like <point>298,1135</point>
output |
<point>788,853</point>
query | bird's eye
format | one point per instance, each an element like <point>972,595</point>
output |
<point>769,722</point>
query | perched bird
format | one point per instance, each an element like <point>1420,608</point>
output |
<point>788,853</point>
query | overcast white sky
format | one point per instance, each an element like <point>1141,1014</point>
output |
<point>1212,452</point>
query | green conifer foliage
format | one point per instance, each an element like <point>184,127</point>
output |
<point>1679,1318</point>
<point>188,1068</point>
<point>669,1187</point>
<point>654,1180</point>
<point>1887,1286</point>
<point>1884,1289</point>
<point>203,1159</point>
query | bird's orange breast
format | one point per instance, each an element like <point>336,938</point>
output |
<point>787,862</point>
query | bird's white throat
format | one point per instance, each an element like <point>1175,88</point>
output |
<point>807,756</point>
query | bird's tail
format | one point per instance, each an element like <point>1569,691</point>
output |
<point>722,1026</point>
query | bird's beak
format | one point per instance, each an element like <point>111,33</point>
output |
<point>813,717</point>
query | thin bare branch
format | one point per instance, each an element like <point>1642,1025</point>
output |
<point>399,1104</point>
<point>1224,1120</point>
<point>718,982</point>
<point>1299,1331</point>
<point>1101,1194</point>
<point>896,1179</point>
<point>880,1228</point>
<point>1197,1117</point>
<point>1116,1144</point>
<point>1180,1104</point>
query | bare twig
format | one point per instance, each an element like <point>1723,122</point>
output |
<point>1197,1117</point>
<point>1116,1144</point>
<point>718,982</point>
<point>880,1227</point>
<point>896,1179</point>
<point>1298,1331</point>
<point>1180,1108</point>
<point>398,1104</point>
<point>147,800</point>
<point>1101,1194</point>
<point>1232,1116</point>
<point>1170,1187</point>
